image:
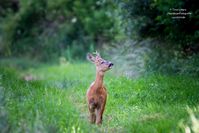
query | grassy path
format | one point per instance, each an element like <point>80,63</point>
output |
<point>55,102</point>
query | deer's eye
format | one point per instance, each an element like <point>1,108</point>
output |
<point>102,62</point>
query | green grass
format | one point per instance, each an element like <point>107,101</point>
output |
<point>56,102</point>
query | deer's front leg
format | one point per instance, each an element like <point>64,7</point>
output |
<point>99,116</point>
<point>99,113</point>
<point>92,113</point>
<point>92,117</point>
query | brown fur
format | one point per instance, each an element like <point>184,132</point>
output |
<point>96,94</point>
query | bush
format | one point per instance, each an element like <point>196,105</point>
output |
<point>150,19</point>
<point>134,58</point>
<point>47,29</point>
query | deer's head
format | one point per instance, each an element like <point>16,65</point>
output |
<point>101,64</point>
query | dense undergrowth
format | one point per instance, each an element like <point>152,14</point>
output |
<point>54,100</point>
<point>135,58</point>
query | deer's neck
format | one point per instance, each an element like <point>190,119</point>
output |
<point>99,80</point>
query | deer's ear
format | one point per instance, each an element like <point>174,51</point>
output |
<point>97,54</point>
<point>90,57</point>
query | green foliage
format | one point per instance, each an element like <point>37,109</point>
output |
<point>137,58</point>
<point>151,18</point>
<point>18,28</point>
<point>173,62</point>
<point>47,29</point>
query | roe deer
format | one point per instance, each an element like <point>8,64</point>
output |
<point>96,94</point>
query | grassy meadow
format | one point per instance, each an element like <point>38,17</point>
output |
<point>153,86</point>
<point>53,100</point>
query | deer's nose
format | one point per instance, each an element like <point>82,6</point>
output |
<point>111,64</point>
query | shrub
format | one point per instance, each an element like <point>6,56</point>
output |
<point>47,29</point>
<point>150,18</point>
<point>133,58</point>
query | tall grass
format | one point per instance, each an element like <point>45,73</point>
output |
<point>33,107</point>
<point>55,100</point>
